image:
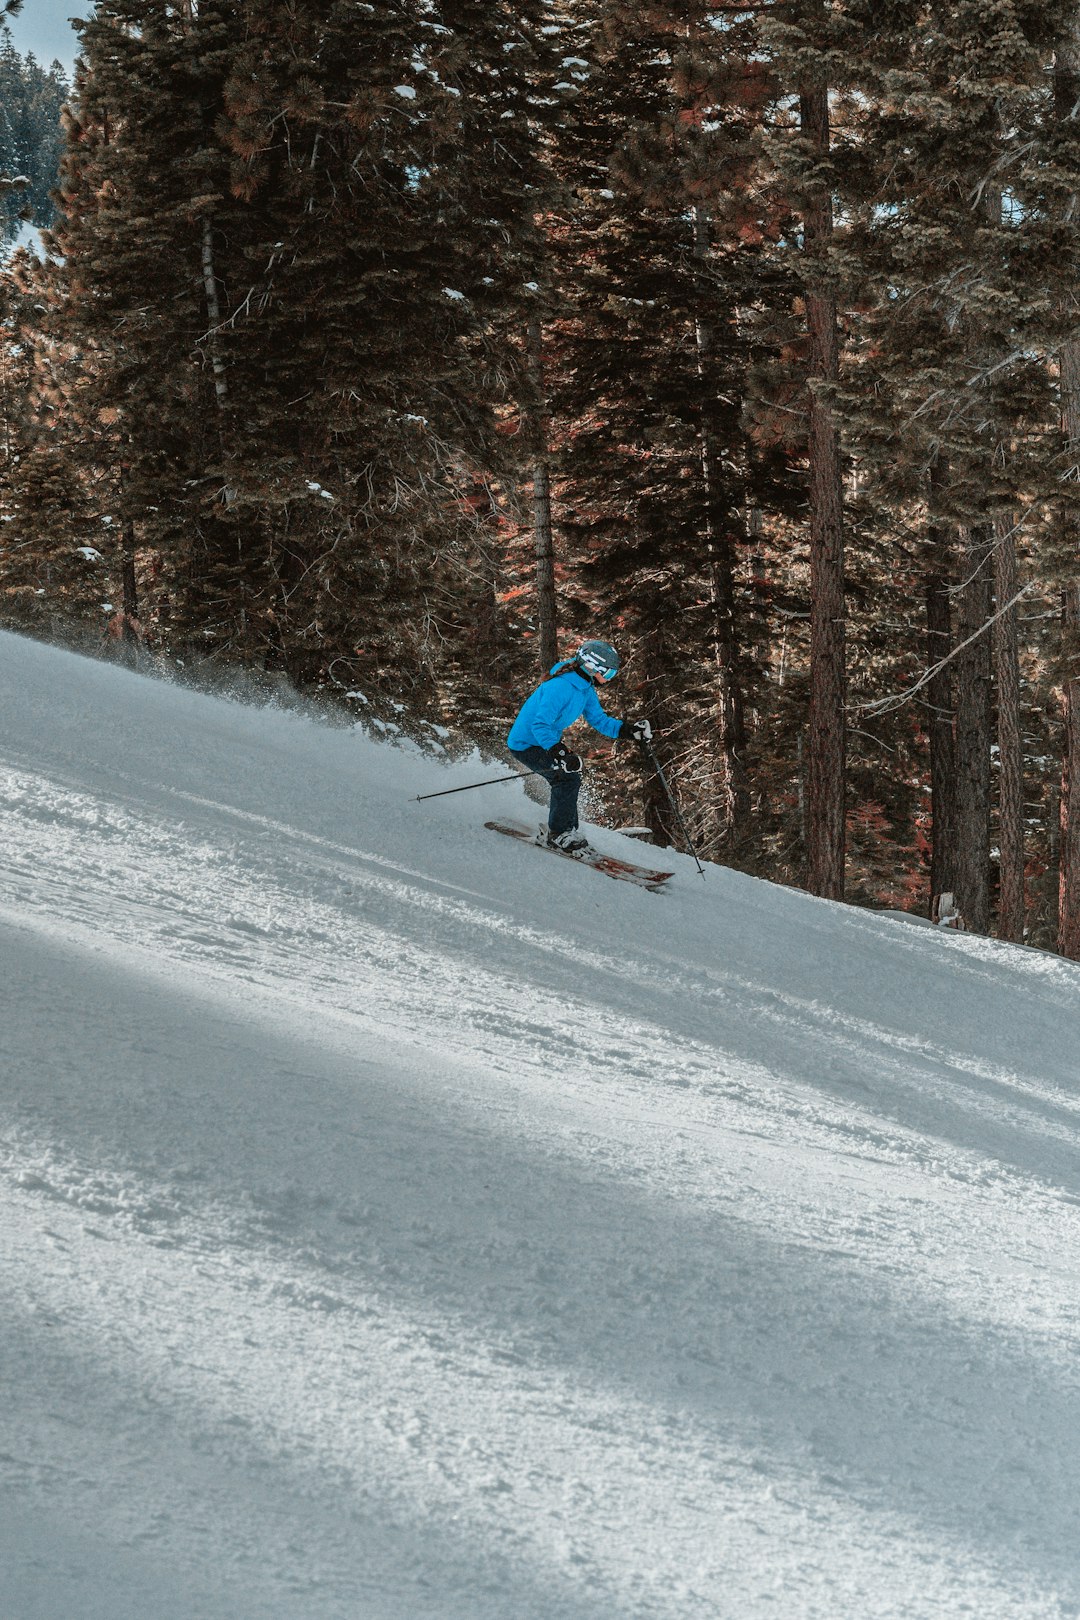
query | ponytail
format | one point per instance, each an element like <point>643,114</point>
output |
<point>568,666</point>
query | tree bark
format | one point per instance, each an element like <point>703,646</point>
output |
<point>130,598</point>
<point>974,732</point>
<point>941,718</point>
<point>543,531</point>
<point>1066,94</point>
<point>1011,897</point>
<point>1068,937</point>
<point>735,786</point>
<point>825,842</point>
<point>213,311</point>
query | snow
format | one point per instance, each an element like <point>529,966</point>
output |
<point>398,1222</point>
<point>27,236</point>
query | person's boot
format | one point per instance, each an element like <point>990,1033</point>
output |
<point>569,842</point>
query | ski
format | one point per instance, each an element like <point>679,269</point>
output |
<point>625,871</point>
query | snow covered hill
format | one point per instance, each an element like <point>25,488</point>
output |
<point>397,1222</point>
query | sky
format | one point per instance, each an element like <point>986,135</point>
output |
<point>43,27</point>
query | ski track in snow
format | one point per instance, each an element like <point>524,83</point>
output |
<point>391,1226</point>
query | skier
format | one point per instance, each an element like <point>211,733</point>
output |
<point>567,693</point>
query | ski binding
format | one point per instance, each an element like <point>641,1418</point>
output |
<point>625,871</point>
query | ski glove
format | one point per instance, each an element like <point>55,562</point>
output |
<point>563,760</point>
<point>639,731</point>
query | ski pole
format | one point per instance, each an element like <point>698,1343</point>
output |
<point>690,850</point>
<point>515,776</point>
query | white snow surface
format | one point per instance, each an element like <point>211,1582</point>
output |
<point>399,1222</point>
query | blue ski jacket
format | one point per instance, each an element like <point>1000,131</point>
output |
<point>557,702</point>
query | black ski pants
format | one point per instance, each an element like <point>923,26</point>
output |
<point>562,809</point>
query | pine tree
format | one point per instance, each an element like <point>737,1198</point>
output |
<point>804,41</point>
<point>948,387</point>
<point>30,137</point>
<point>127,287</point>
<point>1063,157</point>
<point>283,355</point>
<point>659,470</point>
<point>513,70</point>
<point>1010,740</point>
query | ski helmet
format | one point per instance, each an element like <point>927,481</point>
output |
<point>599,660</point>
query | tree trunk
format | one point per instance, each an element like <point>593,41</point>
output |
<point>213,311</point>
<point>655,661</point>
<point>735,815</point>
<point>543,532</point>
<point>974,732</point>
<point>1011,897</point>
<point>1066,94</point>
<point>130,631</point>
<point>827,729</point>
<point>1068,937</point>
<point>941,717</point>
<point>974,683</point>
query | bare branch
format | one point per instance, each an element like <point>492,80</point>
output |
<point>897,701</point>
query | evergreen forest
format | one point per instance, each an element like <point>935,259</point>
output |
<point>391,349</point>
<point>31,139</point>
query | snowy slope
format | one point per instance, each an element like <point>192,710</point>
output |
<point>397,1222</point>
